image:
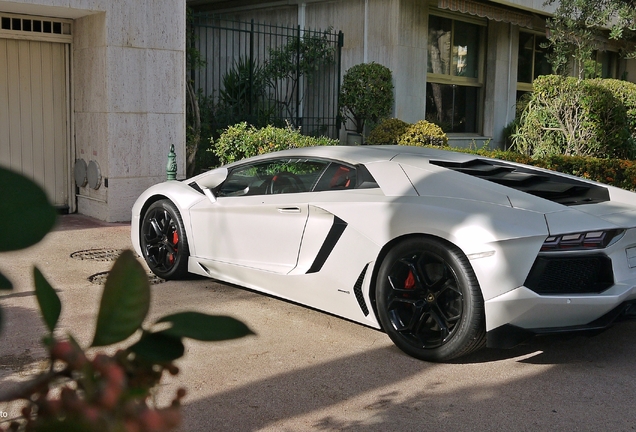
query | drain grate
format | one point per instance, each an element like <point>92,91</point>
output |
<point>100,278</point>
<point>97,254</point>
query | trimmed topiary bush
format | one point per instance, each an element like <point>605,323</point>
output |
<point>388,131</point>
<point>567,116</point>
<point>242,141</point>
<point>366,94</point>
<point>625,92</point>
<point>424,133</point>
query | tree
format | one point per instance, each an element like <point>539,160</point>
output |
<point>366,94</point>
<point>578,26</point>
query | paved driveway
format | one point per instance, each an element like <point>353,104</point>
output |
<point>310,371</point>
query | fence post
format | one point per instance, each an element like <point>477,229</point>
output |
<point>251,66</point>
<point>298,80</point>
<point>339,73</point>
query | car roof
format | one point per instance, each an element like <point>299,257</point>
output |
<point>365,154</point>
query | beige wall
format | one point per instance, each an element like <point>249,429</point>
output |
<point>127,93</point>
<point>395,38</point>
<point>501,80</point>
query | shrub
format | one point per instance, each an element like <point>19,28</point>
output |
<point>424,133</point>
<point>366,94</point>
<point>388,131</point>
<point>625,92</point>
<point>242,141</point>
<point>572,117</point>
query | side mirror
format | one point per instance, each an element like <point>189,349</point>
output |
<point>212,179</point>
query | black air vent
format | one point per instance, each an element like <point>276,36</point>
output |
<point>570,275</point>
<point>550,186</point>
<point>357,289</point>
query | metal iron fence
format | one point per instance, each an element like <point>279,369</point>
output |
<point>268,74</point>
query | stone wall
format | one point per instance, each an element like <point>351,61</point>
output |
<point>127,76</point>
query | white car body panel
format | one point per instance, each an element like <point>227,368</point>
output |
<point>276,243</point>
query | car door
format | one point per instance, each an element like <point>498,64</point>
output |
<point>259,216</point>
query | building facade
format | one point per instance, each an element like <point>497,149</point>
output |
<point>91,97</point>
<point>459,63</point>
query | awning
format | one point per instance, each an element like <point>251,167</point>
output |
<point>487,11</point>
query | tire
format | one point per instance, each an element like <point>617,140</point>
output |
<point>429,301</point>
<point>163,241</point>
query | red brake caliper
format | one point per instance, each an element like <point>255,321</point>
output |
<point>409,283</point>
<point>175,241</point>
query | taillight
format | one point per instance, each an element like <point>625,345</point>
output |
<point>582,241</point>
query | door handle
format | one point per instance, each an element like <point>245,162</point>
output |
<point>289,209</point>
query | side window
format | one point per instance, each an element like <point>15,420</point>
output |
<point>273,177</point>
<point>337,177</point>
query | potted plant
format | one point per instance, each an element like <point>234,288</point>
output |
<point>366,94</point>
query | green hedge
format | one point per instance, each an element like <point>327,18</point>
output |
<point>388,131</point>
<point>423,133</point>
<point>625,92</point>
<point>242,141</point>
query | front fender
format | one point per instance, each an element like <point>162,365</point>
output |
<point>182,195</point>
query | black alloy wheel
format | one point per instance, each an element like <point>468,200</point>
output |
<point>163,241</point>
<point>429,301</point>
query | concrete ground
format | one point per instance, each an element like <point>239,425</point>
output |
<point>305,370</point>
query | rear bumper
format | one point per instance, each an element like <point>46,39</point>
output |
<point>508,335</point>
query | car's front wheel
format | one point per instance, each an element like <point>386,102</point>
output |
<point>163,241</point>
<point>429,301</point>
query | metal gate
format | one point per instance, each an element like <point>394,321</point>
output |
<point>267,74</point>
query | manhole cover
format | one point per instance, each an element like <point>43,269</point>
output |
<point>100,278</point>
<point>97,254</point>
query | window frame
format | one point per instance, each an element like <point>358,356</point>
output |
<point>360,175</point>
<point>525,86</point>
<point>437,78</point>
<point>454,80</point>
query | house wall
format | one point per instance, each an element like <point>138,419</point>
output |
<point>127,75</point>
<point>501,82</point>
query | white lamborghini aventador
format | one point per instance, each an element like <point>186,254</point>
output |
<point>446,252</point>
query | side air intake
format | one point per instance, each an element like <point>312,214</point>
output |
<point>357,289</point>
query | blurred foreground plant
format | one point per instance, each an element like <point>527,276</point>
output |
<point>87,391</point>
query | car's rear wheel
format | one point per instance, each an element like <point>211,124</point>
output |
<point>429,301</point>
<point>163,241</point>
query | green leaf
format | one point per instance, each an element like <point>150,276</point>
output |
<point>158,347</point>
<point>49,302</point>
<point>203,327</point>
<point>125,301</point>
<point>5,284</point>
<point>25,209</point>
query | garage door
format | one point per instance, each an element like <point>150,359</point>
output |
<point>34,112</point>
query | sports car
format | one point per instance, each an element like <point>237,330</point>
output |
<point>445,252</point>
